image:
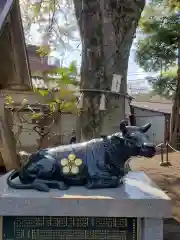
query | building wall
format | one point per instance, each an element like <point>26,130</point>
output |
<point>18,96</point>
<point>146,113</point>
<point>60,133</point>
<point>157,131</point>
<point>28,138</point>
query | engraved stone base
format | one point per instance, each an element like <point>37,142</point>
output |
<point>70,228</point>
<point>134,211</point>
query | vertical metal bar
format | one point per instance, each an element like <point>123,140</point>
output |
<point>162,156</point>
<point>167,154</point>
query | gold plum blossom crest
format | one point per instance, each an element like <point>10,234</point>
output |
<point>71,164</point>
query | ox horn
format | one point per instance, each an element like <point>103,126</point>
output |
<point>145,128</point>
<point>123,125</point>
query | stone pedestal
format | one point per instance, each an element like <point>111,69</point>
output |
<point>139,203</point>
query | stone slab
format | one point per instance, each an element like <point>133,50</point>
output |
<point>137,197</point>
<point>152,228</point>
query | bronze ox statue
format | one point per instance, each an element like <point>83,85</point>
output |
<point>98,163</point>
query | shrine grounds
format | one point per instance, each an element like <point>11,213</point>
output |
<point>168,179</point>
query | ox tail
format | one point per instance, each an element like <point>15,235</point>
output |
<point>14,174</point>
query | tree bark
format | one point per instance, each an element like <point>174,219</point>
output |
<point>175,117</point>
<point>107,29</point>
<point>7,139</point>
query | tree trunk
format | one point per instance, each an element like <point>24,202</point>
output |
<point>107,29</point>
<point>7,139</point>
<point>175,117</point>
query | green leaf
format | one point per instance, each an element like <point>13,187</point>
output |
<point>65,93</point>
<point>57,71</point>
<point>66,80</point>
<point>36,115</point>
<point>174,4</point>
<point>43,51</point>
<point>165,84</point>
<point>157,51</point>
<point>63,75</point>
<point>43,92</point>
<point>152,54</point>
<point>52,106</point>
<point>36,9</point>
<point>73,68</point>
<point>67,106</point>
<point>8,100</point>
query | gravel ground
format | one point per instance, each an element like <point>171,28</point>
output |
<point>168,179</point>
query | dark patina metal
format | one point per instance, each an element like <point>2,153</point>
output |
<point>98,163</point>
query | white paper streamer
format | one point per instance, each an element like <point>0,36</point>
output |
<point>116,83</point>
<point>127,108</point>
<point>102,105</point>
<point>80,102</point>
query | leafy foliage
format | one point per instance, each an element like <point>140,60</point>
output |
<point>62,75</point>
<point>60,97</point>
<point>174,4</point>
<point>165,84</point>
<point>8,100</point>
<point>62,83</point>
<point>153,54</point>
<point>161,24</point>
<point>43,51</point>
<point>157,51</point>
<point>54,20</point>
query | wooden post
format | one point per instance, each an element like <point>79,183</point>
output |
<point>7,140</point>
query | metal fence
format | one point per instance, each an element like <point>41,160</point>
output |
<point>165,149</point>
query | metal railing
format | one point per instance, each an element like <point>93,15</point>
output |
<point>164,147</point>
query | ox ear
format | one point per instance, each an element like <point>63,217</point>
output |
<point>145,128</point>
<point>123,127</point>
<point>24,156</point>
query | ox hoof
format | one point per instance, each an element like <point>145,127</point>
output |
<point>121,180</point>
<point>57,185</point>
<point>62,186</point>
<point>89,185</point>
<point>39,186</point>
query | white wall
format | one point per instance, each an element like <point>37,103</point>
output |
<point>156,132</point>
<point>28,139</point>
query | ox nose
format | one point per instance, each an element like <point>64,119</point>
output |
<point>149,145</point>
<point>148,149</point>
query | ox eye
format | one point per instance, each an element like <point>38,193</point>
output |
<point>34,170</point>
<point>134,139</point>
